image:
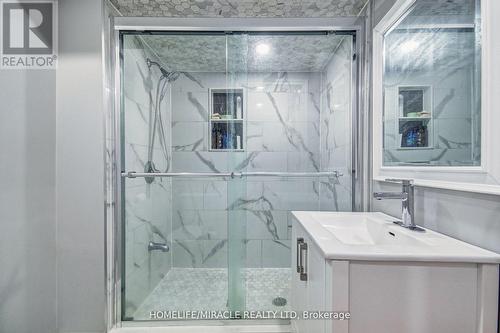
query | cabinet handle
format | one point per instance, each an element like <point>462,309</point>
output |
<point>303,261</point>
<point>299,258</point>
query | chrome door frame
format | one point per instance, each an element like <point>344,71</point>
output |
<point>113,26</point>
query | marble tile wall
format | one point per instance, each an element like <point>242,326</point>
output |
<point>336,128</point>
<point>147,206</point>
<point>282,134</point>
<point>288,129</point>
<point>295,121</point>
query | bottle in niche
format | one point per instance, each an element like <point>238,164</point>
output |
<point>422,137</point>
<point>238,142</point>
<point>219,140</point>
<point>214,138</point>
<point>229,141</point>
<point>239,108</point>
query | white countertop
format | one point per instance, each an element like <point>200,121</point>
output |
<point>374,237</point>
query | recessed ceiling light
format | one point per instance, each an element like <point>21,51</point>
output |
<point>262,48</point>
<point>409,46</point>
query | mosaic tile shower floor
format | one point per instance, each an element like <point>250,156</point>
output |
<point>198,289</point>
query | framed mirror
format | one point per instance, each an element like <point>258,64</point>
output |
<point>432,83</point>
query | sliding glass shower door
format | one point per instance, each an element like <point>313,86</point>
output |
<point>222,136</point>
<point>236,83</point>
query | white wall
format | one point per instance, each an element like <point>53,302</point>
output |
<point>27,201</point>
<point>80,169</point>
<point>52,273</point>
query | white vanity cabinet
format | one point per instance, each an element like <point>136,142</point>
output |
<point>308,288</point>
<point>458,294</point>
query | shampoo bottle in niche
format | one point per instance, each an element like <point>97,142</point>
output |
<point>239,108</point>
<point>238,142</point>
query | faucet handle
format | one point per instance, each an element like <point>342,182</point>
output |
<point>403,181</point>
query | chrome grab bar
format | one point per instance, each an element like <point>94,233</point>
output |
<point>133,174</point>
<point>293,174</point>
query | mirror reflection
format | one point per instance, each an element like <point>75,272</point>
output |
<point>432,106</point>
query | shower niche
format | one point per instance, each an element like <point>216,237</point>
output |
<point>415,118</point>
<point>227,115</point>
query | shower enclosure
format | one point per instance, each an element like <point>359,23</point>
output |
<point>221,136</point>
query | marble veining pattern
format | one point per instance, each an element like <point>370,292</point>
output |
<point>147,207</point>
<point>288,114</point>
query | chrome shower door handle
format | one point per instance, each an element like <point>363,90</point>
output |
<point>298,257</point>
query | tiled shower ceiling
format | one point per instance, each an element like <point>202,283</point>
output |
<point>239,8</point>
<point>192,53</point>
<point>272,8</point>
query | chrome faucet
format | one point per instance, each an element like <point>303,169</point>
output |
<point>407,200</point>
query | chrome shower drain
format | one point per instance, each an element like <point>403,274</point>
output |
<point>279,301</point>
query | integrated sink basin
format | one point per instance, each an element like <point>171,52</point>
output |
<point>375,236</point>
<point>388,278</point>
<point>368,231</point>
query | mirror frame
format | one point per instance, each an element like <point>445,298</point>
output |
<point>480,179</point>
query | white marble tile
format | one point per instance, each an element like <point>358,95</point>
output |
<point>261,107</point>
<point>189,136</point>
<point>451,103</point>
<point>193,81</point>
<point>200,253</point>
<point>285,195</point>
<point>136,157</point>
<point>215,254</point>
<point>141,235</point>
<point>187,194</point>
<point>267,136</point>
<point>253,253</point>
<point>276,254</point>
<point>455,130</point>
<point>187,253</point>
<point>201,161</point>
<point>303,162</point>
<point>215,195</point>
<point>200,224</point>
<point>189,106</point>
<point>267,161</point>
<point>271,224</point>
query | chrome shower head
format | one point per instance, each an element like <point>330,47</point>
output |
<point>172,76</point>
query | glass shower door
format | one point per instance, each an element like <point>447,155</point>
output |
<point>236,82</point>
<point>231,132</point>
